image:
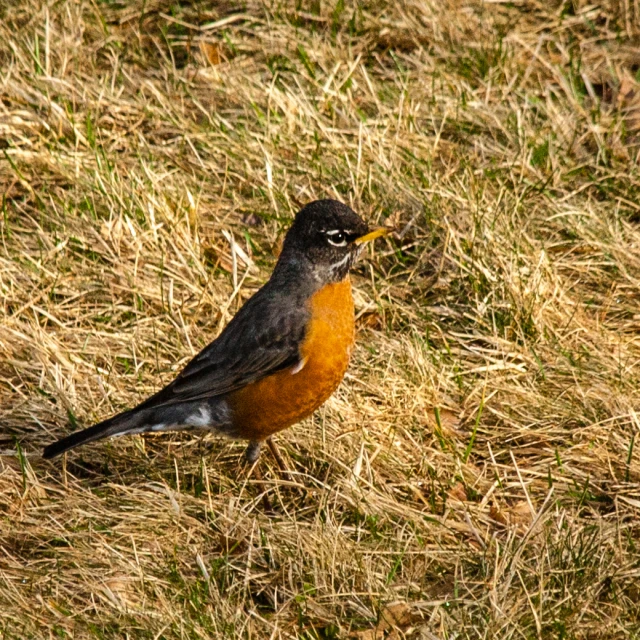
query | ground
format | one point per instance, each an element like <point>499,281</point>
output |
<point>475,476</point>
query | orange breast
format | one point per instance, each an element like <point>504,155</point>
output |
<point>278,401</point>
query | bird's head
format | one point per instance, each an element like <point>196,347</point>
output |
<point>329,236</point>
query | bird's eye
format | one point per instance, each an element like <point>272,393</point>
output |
<point>337,238</point>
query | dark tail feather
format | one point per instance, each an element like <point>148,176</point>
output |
<point>118,425</point>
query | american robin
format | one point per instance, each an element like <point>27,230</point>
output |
<point>281,356</point>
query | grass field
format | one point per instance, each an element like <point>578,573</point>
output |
<point>477,475</point>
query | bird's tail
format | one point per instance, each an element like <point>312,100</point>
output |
<point>128,422</point>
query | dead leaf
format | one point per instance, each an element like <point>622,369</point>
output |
<point>458,492</point>
<point>211,52</point>
<point>449,420</point>
<point>497,515</point>
<point>629,102</point>
<point>395,615</point>
<point>627,91</point>
<point>370,320</point>
<point>518,515</point>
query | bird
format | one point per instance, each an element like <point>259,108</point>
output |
<point>280,357</point>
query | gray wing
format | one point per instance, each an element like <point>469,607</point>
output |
<point>262,338</point>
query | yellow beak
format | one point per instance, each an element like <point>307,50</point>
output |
<point>372,235</point>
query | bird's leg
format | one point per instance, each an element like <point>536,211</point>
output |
<point>251,455</point>
<point>253,451</point>
<point>278,457</point>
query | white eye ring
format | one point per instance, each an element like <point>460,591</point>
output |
<point>340,237</point>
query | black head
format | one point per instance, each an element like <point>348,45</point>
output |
<point>328,236</point>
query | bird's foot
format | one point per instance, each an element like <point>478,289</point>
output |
<point>253,451</point>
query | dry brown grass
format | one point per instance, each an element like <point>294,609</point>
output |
<point>476,475</point>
